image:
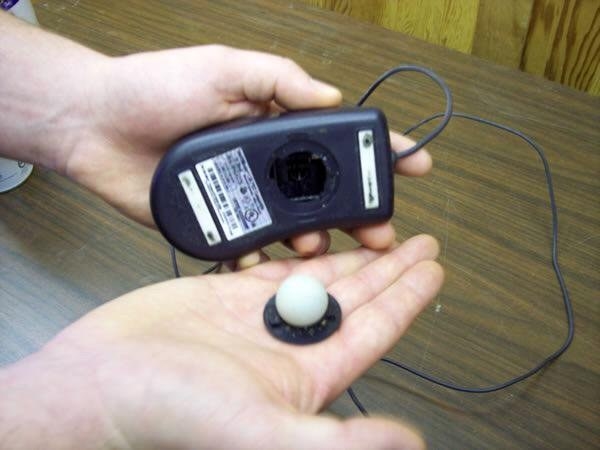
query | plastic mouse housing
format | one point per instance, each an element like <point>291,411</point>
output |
<point>222,192</point>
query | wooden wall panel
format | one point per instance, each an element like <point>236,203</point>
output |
<point>595,83</point>
<point>446,22</point>
<point>557,39</point>
<point>501,32</point>
<point>372,11</point>
<point>563,43</point>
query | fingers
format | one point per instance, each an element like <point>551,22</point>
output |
<point>372,330</point>
<point>247,261</point>
<point>261,77</point>
<point>378,301</point>
<point>392,311</point>
<point>326,268</point>
<point>306,245</point>
<point>417,164</point>
<point>377,237</point>
<point>315,432</point>
<point>381,236</point>
<point>373,279</point>
<point>310,244</point>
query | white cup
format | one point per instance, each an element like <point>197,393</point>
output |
<point>13,173</point>
<point>21,9</point>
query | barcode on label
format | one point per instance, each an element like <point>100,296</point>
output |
<point>219,198</point>
<point>224,204</point>
<point>233,193</point>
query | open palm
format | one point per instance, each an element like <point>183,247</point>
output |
<point>188,363</point>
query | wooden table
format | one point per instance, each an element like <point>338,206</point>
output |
<point>63,252</point>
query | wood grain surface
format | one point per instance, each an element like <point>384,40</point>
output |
<point>444,22</point>
<point>557,39</point>
<point>563,42</point>
<point>501,31</point>
<point>63,252</point>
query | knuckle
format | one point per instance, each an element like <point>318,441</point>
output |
<point>289,64</point>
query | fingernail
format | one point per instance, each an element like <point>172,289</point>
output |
<point>325,243</point>
<point>311,245</point>
<point>248,260</point>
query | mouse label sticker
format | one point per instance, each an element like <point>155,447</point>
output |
<point>233,193</point>
<point>201,211</point>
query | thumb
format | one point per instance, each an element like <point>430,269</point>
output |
<point>262,77</point>
<point>317,432</point>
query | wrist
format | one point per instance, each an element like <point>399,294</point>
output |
<point>45,93</point>
<point>74,119</point>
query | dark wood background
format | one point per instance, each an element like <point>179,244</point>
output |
<point>557,39</point>
<point>63,252</point>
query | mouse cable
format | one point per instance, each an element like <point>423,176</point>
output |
<point>554,252</point>
<point>212,269</point>
<point>447,114</point>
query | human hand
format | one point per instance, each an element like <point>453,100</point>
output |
<point>106,122</point>
<point>149,100</point>
<point>189,364</point>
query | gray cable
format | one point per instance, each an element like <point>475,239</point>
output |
<point>447,114</point>
<point>554,253</point>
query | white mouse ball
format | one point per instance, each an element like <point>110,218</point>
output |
<point>301,300</point>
